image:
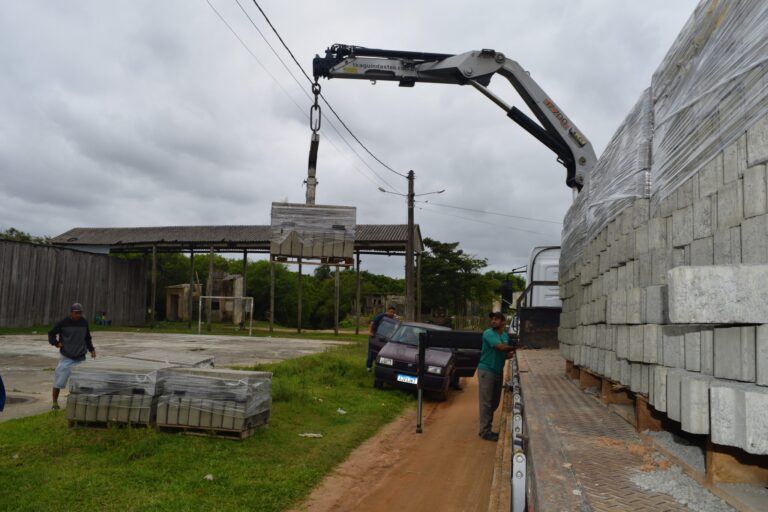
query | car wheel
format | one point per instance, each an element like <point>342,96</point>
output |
<point>378,384</point>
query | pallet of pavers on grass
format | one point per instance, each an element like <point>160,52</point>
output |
<point>113,391</point>
<point>223,403</point>
<point>175,358</point>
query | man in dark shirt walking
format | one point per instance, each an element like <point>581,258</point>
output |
<point>73,339</point>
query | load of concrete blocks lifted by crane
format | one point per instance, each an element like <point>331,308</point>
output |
<point>664,272</point>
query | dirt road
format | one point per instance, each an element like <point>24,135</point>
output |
<point>447,468</point>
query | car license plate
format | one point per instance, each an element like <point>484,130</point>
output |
<point>407,379</point>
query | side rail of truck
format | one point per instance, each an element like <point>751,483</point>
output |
<point>537,326</point>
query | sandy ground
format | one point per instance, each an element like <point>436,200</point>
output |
<point>27,361</point>
<point>446,468</point>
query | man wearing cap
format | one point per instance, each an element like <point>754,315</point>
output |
<point>490,371</point>
<point>389,313</point>
<point>73,339</point>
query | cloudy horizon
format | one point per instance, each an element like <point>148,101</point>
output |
<point>143,113</point>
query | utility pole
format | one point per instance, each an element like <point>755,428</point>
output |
<point>410,242</point>
<point>409,288</point>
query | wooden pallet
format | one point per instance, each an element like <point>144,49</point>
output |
<point>251,425</point>
<point>104,425</point>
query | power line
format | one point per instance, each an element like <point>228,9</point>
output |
<point>511,228</point>
<point>491,213</point>
<point>301,109</point>
<point>303,90</point>
<point>256,3</point>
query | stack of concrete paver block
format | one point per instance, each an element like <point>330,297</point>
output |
<point>221,401</point>
<point>667,292</point>
<point>114,390</point>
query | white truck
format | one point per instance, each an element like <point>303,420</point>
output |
<point>539,306</point>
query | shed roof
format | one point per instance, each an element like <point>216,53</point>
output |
<point>369,238</point>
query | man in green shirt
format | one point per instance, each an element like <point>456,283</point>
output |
<point>490,372</point>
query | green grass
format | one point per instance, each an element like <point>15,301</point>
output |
<point>44,465</point>
<point>260,329</point>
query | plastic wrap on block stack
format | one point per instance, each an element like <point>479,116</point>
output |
<point>574,234</point>
<point>300,230</point>
<point>620,176</point>
<point>185,359</point>
<point>116,376</point>
<point>622,173</point>
<point>114,390</point>
<point>215,399</point>
<point>709,89</point>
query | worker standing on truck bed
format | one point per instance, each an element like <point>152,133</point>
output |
<point>490,372</point>
<point>73,338</point>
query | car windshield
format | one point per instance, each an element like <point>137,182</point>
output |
<point>386,328</point>
<point>408,334</point>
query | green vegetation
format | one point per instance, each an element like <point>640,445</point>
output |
<point>44,465</point>
<point>16,235</point>
<point>451,280</point>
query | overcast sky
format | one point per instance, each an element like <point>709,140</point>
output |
<point>151,113</point>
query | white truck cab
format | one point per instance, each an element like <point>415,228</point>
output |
<point>544,265</point>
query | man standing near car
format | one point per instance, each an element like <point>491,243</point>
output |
<point>389,313</point>
<point>490,372</point>
<point>73,339</point>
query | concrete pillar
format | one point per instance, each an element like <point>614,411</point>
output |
<point>357,294</point>
<point>300,293</point>
<point>153,292</point>
<point>271,295</point>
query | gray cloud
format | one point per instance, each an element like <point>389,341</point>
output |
<point>151,113</point>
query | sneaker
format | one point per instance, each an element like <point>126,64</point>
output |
<point>55,407</point>
<point>491,436</point>
<point>368,370</point>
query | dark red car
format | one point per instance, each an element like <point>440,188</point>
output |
<point>397,362</point>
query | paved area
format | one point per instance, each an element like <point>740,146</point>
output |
<point>446,468</point>
<point>27,361</point>
<point>585,457</point>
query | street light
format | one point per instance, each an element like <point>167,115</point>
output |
<point>409,278</point>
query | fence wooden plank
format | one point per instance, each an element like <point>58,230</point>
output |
<point>38,283</point>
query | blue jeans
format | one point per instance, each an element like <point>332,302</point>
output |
<point>61,374</point>
<point>369,361</point>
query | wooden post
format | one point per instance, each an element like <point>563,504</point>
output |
<point>418,287</point>
<point>610,395</point>
<point>726,464</point>
<point>336,302</point>
<point>154,285</point>
<point>245,286</point>
<point>300,291</point>
<point>271,295</point>
<point>587,380</point>
<point>357,294</point>
<point>191,302</point>
<point>209,291</point>
<point>646,417</point>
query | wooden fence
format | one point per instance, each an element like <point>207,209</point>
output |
<point>38,283</point>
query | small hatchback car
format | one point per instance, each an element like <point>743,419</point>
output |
<point>397,362</point>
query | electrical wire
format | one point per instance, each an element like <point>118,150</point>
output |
<point>482,222</point>
<point>509,215</point>
<point>303,90</point>
<point>333,111</point>
<point>301,109</point>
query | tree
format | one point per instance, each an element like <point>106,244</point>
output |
<point>450,278</point>
<point>16,235</point>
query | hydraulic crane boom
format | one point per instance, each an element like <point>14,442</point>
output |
<point>476,68</point>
